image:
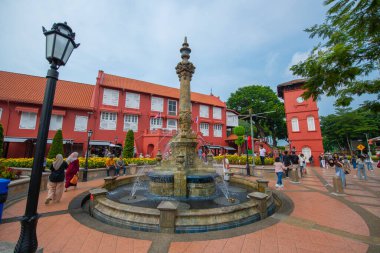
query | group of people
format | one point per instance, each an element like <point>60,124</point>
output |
<point>64,174</point>
<point>115,164</point>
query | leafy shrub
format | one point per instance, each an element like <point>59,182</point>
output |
<point>9,173</point>
<point>242,160</point>
<point>56,146</point>
<point>128,151</point>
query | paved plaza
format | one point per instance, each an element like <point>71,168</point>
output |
<point>314,221</point>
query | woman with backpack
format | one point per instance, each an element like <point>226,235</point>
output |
<point>56,179</point>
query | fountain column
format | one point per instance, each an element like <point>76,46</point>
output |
<point>184,144</point>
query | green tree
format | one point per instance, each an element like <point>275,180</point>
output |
<point>129,145</point>
<point>56,146</point>
<point>345,125</point>
<point>1,140</point>
<point>239,131</point>
<point>261,99</point>
<point>347,62</point>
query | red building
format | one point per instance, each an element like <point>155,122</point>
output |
<point>109,108</point>
<point>304,130</point>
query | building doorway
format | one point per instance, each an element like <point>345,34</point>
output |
<point>149,151</point>
<point>306,151</point>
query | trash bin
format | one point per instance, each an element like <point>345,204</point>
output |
<point>3,194</point>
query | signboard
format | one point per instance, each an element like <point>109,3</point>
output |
<point>360,147</point>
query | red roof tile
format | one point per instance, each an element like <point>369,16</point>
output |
<point>30,89</point>
<point>156,89</point>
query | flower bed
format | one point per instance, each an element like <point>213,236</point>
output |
<point>93,162</point>
<point>242,160</point>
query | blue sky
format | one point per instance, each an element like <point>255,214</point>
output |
<point>234,43</point>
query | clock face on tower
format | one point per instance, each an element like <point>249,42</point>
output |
<point>300,100</point>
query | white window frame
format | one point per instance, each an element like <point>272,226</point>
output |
<point>204,128</point>
<point>216,113</point>
<point>171,127</point>
<point>81,123</point>
<point>110,97</point>
<point>204,111</point>
<point>56,122</point>
<point>155,123</point>
<point>157,104</point>
<point>295,125</point>
<point>108,121</point>
<point>174,113</point>
<point>28,120</point>
<point>1,112</point>
<point>131,122</point>
<point>310,123</point>
<point>218,128</point>
<point>132,100</point>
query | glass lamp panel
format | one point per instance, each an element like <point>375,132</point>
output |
<point>60,45</point>
<point>64,30</point>
<point>49,45</point>
<point>69,50</point>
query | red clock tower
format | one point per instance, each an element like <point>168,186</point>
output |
<point>302,120</point>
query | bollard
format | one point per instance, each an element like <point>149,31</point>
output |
<point>3,194</point>
<point>109,182</point>
<point>338,187</point>
<point>262,185</point>
<point>168,212</point>
<point>261,200</point>
<point>294,177</point>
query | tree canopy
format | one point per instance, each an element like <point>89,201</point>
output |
<point>347,62</point>
<point>345,125</point>
<point>261,99</point>
<point>56,146</point>
<point>129,145</point>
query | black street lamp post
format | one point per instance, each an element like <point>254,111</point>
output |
<point>89,134</point>
<point>59,46</point>
<point>246,152</point>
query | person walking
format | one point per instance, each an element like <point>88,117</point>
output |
<point>120,165</point>
<point>287,163</point>
<point>279,169</point>
<point>56,180</point>
<point>321,160</point>
<point>361,168</point>
<point>226,168</point>
<point>72,170</point>
<point>262,151</point>
<point>353,162</point>
<point>339,169</point>
<point>302,162</point>
<point>368,163</point>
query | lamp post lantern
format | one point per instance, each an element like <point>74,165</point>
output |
<point>246,152</point>
<point>60,42</point>
<point>89,134</point>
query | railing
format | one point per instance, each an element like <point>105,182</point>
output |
<point>162,131</point>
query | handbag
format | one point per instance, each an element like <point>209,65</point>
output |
<point>347,169</point>
<point>74,180</point>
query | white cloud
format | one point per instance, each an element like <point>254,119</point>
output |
<point>296,58</point>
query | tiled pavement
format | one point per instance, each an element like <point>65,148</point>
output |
<point>320,222</point>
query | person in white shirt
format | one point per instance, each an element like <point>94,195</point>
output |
<point>262,151</point>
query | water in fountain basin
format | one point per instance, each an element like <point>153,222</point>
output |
<point>221,184</point>
<point>137,183</point>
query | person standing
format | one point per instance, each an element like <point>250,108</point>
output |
<point>226,168</point>
<point>56,180</point>
<point>302,163</point>
<point>262,151</point>
<point>339,169</point>
<point>368,163</point>
<point>321,160</point>
<point>294,159</point>
<point>361,168</point>
<point>287,163</point>
<point>353,162</point>
<point>279,169</point>
<point>311,160</point>
<point>72,170</point>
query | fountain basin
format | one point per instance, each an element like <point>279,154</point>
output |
<point>184,219</point>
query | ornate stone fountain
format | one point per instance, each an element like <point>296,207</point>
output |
<point>182,195</point>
